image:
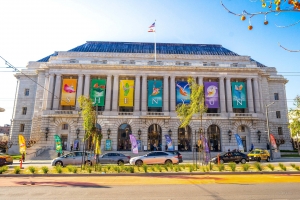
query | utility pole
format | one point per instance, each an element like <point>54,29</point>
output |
<point>268,129</point>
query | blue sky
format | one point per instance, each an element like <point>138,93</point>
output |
<point>31,30</point>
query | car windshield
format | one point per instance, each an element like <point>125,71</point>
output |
<point>255,152</point>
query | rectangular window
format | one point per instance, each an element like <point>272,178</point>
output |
<point>24,110</point>
<point>22,127</point>
<point>26,92</point>
<point>65,127</point>
<point>186,63</point>
<point>280,131</point>
<point>278,114</point>
<point>213,64</point>
<point>204,63</point>
<point>276,96</point>
<point>177,63</point>
<point>132,61</point>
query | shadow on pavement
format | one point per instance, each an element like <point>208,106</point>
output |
<point>60,184</point>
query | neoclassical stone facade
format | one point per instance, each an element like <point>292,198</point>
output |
<point>116,61</point>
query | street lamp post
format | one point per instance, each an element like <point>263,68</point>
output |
<point>268,129</point>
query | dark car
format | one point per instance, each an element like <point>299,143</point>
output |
<point>2,162</point>
<point>236,157</point>
<point>178,154</point>
<point>114,158</point>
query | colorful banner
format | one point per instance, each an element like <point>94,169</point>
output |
<point>169,143</point>
<point>273,141</point>
<point>58,145</point>
<point>239,142</point>
<point>68,92</point>
<point>238,95</point>
<point>211,94</point>
<point>205,149</point>
<point>97,91</point>
<point>108,145</point>
<point>155,93</point>
<point>134,145</point>
<point>22,144</point>
<point>76,145</point>
<point>183,92</point>
<point>126,93</point>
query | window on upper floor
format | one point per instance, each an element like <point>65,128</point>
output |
<point>24,110</point>
<point>186,63</point>
<point>213,64</point>
<point>276,96</point>
<point>64,127</point>
<point>122,61</point>
<point>22,127</point>
<point>280,131</point>
<point>234,64</point>
<point>132,61</point>
<point>177,63</point>
<point>278,115</point>
<point>104,61</point>
<point>204,63</point>
<point>26,92</point>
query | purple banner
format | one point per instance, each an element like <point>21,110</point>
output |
<point>134,145</point>
<point>211,94</point>
<point>169,142</point>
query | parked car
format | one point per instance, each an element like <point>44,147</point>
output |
<point>155,157</point>
<point>2,161</point>
<point>114,158</point>
<point>73,158</point>
<point>8,159</point>
<point>236,157</point>
<point>178,154</point>
<point>258,155</point>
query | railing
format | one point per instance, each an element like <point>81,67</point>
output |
<point>213,114</point>
<point>65,112</point>
<point>243,115</point>
<point>99,113</point>
<point>155,113</point>
<point>125,113</point>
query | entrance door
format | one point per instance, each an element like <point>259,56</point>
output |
<point>64,140</point>
<point>244,141</point>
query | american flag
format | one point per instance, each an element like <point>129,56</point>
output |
<point>152,28</point>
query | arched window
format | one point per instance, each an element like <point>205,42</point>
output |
<point>214,139</point>
<point>154,138</point>
<point>124,143</point>
<point>185,139</point>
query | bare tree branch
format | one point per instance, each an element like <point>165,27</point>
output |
<point>288,49</point>
<point>287,25</point>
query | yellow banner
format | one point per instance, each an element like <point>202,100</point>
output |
<point>68,93</point>
<point>126,93</point>
<point>22,144</point>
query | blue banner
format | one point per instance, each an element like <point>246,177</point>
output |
<point>183,92</point>
<point>169,142</point>
<point>108,145</point>
<point>239,142</point>
<point>155,93</point>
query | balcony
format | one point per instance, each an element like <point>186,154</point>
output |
<point>243,115</point>
<point>61,113</point>
<point>125,113</point>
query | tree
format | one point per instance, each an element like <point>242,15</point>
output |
<point>294,125</point>
<point>274,7</point>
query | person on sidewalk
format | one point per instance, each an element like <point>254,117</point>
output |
<point>71,147</point>
<point>252,147</point>
<point>23,157</point>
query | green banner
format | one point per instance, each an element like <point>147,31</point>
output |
<point>238,95</point>
<point>155,93</point>
<point>97,91</point>
<point>58,145</point>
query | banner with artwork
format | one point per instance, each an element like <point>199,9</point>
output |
<point>97,91</point>
<point>155,93</point>
<point>183,92</point>
<point>238,95</point>
<point>134,145</point>
<point>126,93</point>
<point>22,144</point>
<point>273,141</point>
<point>239,142</point>
<point>68,92</point>
<point>211,94</point>
<point>58,146</point>
<point>169,142</point>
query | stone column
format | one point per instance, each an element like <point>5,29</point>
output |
<point>200,80</point>
<point>115,99</point>
<point>222,95</point>
<point>108,93</point>
<point>57,92</point>
<point>137,93</point>
<point>228,94</point>
<point>166,94</point>
<point>256,96</point>
<point>172,94</point>
<point>87,83</point>
<point>50,92</point>
<point>144,93</point>
<point>79,89</point>
<point>250,95</point>
<point>46,88</point>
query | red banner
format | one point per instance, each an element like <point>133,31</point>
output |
<point>273,141</point>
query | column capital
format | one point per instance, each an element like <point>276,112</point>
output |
<point>116,75</point>
<point>87,75</point>
<point>249,78</point>
<point>166,76</point>
<point>221,78</point>
<point>58,75</point>
<point>138,76</point>
<point>108,75</point>
<point>80,75</point>
<point>144,76</point>
<point>255,78</point>
<point>51,74</point>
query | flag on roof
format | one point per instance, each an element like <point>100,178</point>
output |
<point>152,28</point>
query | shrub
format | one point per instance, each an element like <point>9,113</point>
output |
<point>232,166</point>
<point>45,169</point>
<point>245,167</point>
<point>70,168</point>
<point>145,168</point>
<point>3,169</point>
<point>153,168</point>
<point>108,167</point>
<point>282,166</point>
<point>131,169</point>
<point>118,170</point>
<point>58,169</point>
<point>158,167</point>
<point>221,167</point>
<point>166,168</point>
<point>271,167</point>
<point>32,169</point>
<point>17,170</point>
<point>297,168</point>
<point>258,166</point>
<point>191,169</point>
<point>293,165</point>
<point>211,166</point>
<point>171,166</point>
<point>89,169</point>
<point>204,169</point>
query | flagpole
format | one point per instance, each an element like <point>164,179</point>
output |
<point>155,42</point>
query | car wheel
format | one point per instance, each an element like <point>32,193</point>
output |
<point>221,161</point>
<point>258,160</point>
<point>120,162</point>
<point>268,159</point>
<point>237,162</point>
<point>59,163</point>
<point>139,163</point>
<point>88,162</point>
<point>243,161</point>
<point>168,162</point>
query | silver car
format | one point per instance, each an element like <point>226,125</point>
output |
<point>113,158</point>
<point>73,158</point>
<point>155,157</point>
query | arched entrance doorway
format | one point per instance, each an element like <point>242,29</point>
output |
<point>123,137</point>
<point>154,137</point>
<point>185,139</point>
<point>214,139</point>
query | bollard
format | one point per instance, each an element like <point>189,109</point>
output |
<point>218,159</point>
<point>21,163</point>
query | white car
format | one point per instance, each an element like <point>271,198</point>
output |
<point>73,158</point>
<point>155,157</point>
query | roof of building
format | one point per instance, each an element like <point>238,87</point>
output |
<point>143,47</point>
